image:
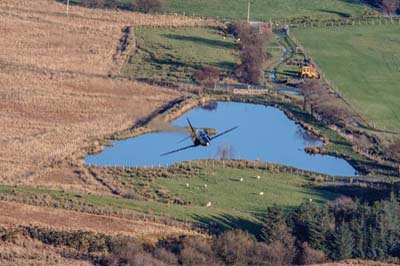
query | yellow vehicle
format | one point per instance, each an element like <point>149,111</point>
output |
<point>308,70</point>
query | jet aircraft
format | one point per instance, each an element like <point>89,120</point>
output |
<point>199,138</point>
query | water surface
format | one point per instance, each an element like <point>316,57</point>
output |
<point>264,133</point>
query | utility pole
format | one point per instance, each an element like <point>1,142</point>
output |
<point>67,6</point>
<point>248,11</point>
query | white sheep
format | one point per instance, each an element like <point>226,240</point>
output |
<point>208,204</point>
<point>241,179</point>
<point>187,185</point>
<point>261,193</point>
<point>310,199</point>
<point>205,186</point>
<point>258,177</point>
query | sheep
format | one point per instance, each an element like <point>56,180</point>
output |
<point>261,193</point>
<point>310,199</point>
<point>205,186</point>
<point>208,204</point>
<point>258,177</point>
<point>241,179</point>
<point>187,185</point>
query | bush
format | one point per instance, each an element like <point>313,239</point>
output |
<point>393,151</point>
<point>207,76</point>
<point>311,256</point>
<point>164,255</point>
<point>235,247</point>
<point>148,6</point>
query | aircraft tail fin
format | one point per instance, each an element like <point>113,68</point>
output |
<point>191,127</point>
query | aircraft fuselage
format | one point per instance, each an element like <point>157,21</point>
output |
<point>201,138</point>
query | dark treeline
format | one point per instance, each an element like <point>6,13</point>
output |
<point>341,229</point>
<point>145,6</point>
<point>309,234</point>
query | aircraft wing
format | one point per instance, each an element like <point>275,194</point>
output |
<point>178,150</point>
<point>223,133</point>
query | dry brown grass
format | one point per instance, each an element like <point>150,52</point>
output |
<point>55,92</point>
<point>24,252</point>
<point>13,214</point>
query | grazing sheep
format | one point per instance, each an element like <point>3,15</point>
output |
<point>187,185</point>
<point>208,204</point>
<point>241,179</point>
<point>205,186</point>
<point>310,199</point>
<point>258,177</point>
<point>261,193</point>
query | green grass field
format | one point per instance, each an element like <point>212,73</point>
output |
<point>364,63</point>
<point>234,204</point>
<point>175,54</point>
<point>266,9</point>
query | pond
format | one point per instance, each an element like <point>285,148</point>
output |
<point>264,133</point>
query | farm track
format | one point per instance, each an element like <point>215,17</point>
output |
<point>56,92</point>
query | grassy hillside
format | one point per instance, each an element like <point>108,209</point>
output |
<point>175,54</point>
<point>266,9</point>
<point>364,63</point>
<point>234,204</point>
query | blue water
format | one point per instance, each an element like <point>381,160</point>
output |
<point>264,133</point>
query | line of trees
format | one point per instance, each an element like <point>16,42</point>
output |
<point>252,44</point>
<point>342,229</point>
<point>320,101</point>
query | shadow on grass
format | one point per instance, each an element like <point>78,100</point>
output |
<point>364,194</point>
<point>225,222</point>
<point>291,73</point>
<point>225,65</point>
<point>335,12</point>
<point>209,42</point>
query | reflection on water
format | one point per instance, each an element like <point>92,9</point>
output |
<point>264,133</point>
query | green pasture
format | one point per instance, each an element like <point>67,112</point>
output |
<point>234,204</point>
<point>176,54</point>
<point>265,10</point>
<point>364,63</point>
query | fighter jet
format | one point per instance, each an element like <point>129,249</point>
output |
<point>199,138</point>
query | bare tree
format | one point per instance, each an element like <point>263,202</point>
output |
<point>252,44</point>
<point>321,102</point>
<point>389,7</point>
<point>225,152</point>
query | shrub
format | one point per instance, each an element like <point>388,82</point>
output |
<point>148,6</point>
<point>311,256</point>
<point>393,151</point>
<point>207,76</point>
<point>164,255</point>
<point>234,247</point>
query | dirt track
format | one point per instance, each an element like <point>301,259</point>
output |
<point>56,95</point>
